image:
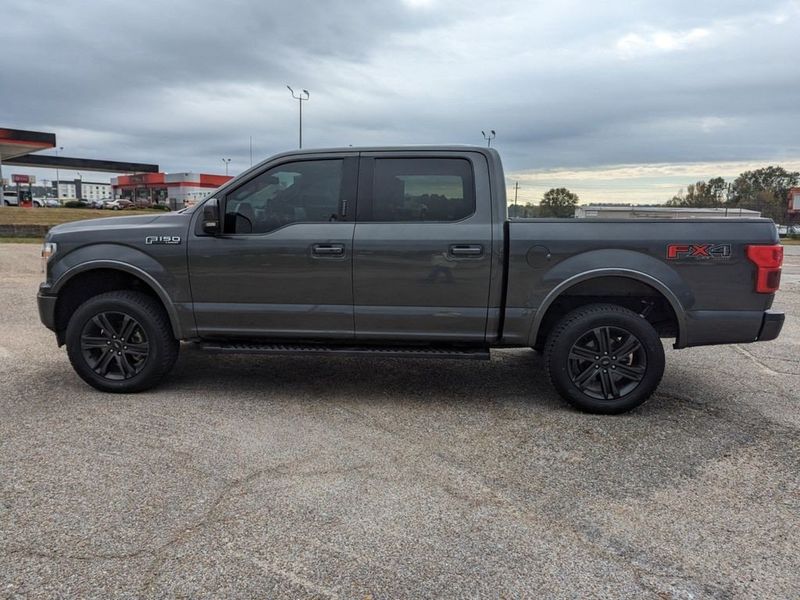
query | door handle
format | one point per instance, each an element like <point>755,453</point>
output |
<point>327,249</point>
<point>471,250</point>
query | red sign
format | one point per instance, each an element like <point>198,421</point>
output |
<point>20,178</point>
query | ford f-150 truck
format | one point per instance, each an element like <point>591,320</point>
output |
<point>403,252</point>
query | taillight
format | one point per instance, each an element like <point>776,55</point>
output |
<point>768,259</point>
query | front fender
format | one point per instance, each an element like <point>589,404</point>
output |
<point>620,263</point>
<point>167,285</point>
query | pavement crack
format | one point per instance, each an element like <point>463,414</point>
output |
<point>753,358</point>
<point>290,576</point>
<point>208,517</point>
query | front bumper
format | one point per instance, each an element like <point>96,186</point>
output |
<point>47,309</point>
<point>771,325</point>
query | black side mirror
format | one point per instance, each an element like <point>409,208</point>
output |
<point>210,221</point>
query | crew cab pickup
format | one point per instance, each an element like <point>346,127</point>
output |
<point>403,252</point>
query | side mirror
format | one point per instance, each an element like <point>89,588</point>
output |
<point>210,221</point>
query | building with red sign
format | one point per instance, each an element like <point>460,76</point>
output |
<point>794,202</point>
<point>174,189</point>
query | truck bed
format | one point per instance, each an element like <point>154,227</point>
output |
<point>714,293</point>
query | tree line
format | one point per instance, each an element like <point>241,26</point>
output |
<point>765,190</point>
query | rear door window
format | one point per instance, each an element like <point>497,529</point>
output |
<point>421,189</point>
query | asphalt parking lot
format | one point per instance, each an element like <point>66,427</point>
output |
<point>369,478</point>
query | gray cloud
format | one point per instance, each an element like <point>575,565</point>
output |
<point>566,84</point>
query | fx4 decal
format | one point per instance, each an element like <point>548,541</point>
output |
<point>162,239</point>
<point>698,251</point>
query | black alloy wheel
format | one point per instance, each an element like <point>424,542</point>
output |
<point>114,345</point>
<point>121,341</point>
<point>604,358</point>
<point>607,363</point>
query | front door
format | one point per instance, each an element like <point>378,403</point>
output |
<point>422,248</point>
<point>282,266</point>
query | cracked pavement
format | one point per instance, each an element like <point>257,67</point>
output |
<point>246,476</point>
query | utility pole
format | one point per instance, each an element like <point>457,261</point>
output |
<point>227,162</point>
<point>489,137</point>
<point>300,100</point>
<point>516,208</point>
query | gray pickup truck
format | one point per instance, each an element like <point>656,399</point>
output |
<point>403,252</point>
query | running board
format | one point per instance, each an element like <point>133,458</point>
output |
<point>336,350</point>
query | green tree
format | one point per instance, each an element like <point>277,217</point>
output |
<point>764,190</point>
<point>558,202</point>
<point>702,194</point>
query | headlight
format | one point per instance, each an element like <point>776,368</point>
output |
<point>48,250</point>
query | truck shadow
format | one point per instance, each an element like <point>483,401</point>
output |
<point>510,374</point>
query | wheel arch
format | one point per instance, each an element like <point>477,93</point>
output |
<point>90,278</point>
<point>544,314</point>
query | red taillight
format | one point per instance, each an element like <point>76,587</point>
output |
<point>768,259</point>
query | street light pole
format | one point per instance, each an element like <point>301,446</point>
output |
<point>300,99</point>
<point>58,180</point>
<point>489,137</point>
<point>227,162</point>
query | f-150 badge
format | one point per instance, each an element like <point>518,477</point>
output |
<point>162,239</point>
<point>698,251</point>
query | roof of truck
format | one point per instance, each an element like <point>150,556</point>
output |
<point>397,148</point>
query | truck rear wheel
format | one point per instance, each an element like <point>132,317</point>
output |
<point>121,342</point>
<point>604,358</point>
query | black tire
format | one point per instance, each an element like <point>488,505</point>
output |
<point>603,358</point>
<point>103,357</point>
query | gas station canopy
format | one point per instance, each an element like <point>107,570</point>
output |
<point>17,142</point>
<point>17,147</point>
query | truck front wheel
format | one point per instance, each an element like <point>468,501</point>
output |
<point>603,358</point>
<point>121,342</point>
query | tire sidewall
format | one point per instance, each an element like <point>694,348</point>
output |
<point>559,348</point>
<point>83,315</point>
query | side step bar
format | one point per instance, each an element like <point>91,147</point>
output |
<point>337,350</point>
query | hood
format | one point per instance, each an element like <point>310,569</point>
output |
<point>107,223</point>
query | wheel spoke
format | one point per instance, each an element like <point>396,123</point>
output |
<point>630,346</point>
<point>103,323</point>
<point>633,373</point>
<point>138,349</point>
<point>610,389</point>
<point>585,377</point>
<point>603,339</point>
<point>101,366</point>
<point>125,366</point>
<point>128,325</point>
<point>579,353</point>
<point>91,341</point>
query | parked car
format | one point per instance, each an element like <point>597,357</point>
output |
<point>10,198</point>
<point>46,203</point>
<point>404,252</point>
<point>118,204</point>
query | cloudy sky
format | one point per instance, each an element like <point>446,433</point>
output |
<point>618,100</point>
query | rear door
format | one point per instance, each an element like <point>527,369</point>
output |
<point>422,247</point>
